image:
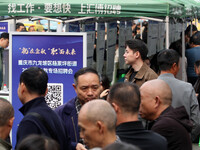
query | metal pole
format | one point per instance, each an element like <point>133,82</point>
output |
<point>140,29</point>
<point>183,52</point>
<point>191,28</point>
<point>14,24</point>
<point>167,32</point>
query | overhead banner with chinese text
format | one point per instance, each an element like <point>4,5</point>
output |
<point>60,55</point>
<point>102,8</point>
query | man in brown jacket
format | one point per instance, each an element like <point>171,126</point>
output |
<point>135,54</point>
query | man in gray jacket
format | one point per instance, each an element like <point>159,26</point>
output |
<point>183,93</point>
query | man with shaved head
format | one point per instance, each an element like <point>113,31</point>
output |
<point>97,120</point>
<point>125,99</point>
<point>173,124</point>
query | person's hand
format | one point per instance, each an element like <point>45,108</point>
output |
<point>80,146</point>
<point>104,93</point>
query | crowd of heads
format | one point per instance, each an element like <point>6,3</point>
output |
<point>98,118</point>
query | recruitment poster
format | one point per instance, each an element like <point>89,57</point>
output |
<point>3,27</point>
<point>111,47</point>
<point>100,47</point>
<point>90,29</point>
<point>121,44</point>
<point>60,55</point>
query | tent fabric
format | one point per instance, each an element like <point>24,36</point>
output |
<point>191,7</point>
<point>100,8</point>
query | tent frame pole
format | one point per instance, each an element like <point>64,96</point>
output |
<point>167,32</point>
<point>183,50</point>
<point>191,28</point>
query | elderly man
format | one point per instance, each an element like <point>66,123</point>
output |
<point>87,86</point>
<point>183,93</point>
<point>97,120</point>
<point>38,117</point>
<point>6,123</point>
<point>135,54</point>
<point>125,98</point>
<point>173,124</point>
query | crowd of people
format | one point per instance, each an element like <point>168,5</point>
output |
<point>149,110</point>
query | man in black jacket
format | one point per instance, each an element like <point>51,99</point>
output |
<point>172,123</point>
<point>125,98</point>
<point>38,117</point>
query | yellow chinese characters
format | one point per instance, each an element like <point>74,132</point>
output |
<point>52,51</point>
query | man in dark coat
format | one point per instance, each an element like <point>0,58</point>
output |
<point>38,117</point>
<point>125,98</point>
<point>87,87</point>
<point>172,123</point>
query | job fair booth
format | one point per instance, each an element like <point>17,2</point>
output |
<point>61,54</point>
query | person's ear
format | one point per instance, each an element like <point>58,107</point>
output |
<point>157,101</point>
<point>1,39</point>
<point>100,126</point>
<point>74,85</point>
<point>10,122</point>
<point>137,54</point>
<point>23,88</point>
<point>116,107</point>
<point>46,91</point>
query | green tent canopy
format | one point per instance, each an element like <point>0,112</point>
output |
<point>100,8</point>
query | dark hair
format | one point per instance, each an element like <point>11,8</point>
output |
<point>84,71</point>
<point>38,142</point>
<point>138,45</point>
<point>35,79</point>
<point>105,82</point>
<point>6,111</point>
<point>167,58</point>
<point>4,35</point>
<point>187,30</point>
<point>121,146</point>
<point>126,95</point>
<point>195,39</point>
<point>177,46</point>
<point>18,25</point>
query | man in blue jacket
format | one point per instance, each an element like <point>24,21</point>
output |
<point>38,117</point>
<point>87,86</point>
<point>193,54</point>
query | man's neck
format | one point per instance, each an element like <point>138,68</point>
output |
<point>137,65</point>
<point>111,137</point>
<point>160,110</point>
<point>3,133</point>
<point>30,97</point>
<point>126,118</point>
<point>168,71</point>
